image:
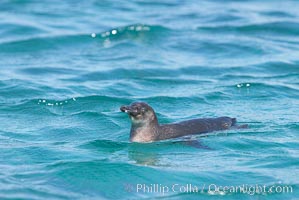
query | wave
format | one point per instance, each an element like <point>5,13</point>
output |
<point>133,31</point>
<point>281,28</point>
<point>48,41</point>
<point>39,43</point>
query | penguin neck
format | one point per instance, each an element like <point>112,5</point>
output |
<point>145,131</point>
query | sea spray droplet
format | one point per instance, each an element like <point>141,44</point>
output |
<point>114,32</point>
<point>138,28</point>
<point>243,85</point>
<point>93,35</point>
<point>74,99</point>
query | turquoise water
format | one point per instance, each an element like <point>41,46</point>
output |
<point>67,67</point>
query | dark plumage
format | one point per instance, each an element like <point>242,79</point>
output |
<point>146,128</point>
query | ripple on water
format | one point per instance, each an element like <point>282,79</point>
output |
<point>283,28</point>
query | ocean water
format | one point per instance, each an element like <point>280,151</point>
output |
<point>67,66</point>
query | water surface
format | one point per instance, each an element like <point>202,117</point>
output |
<point>67,67</point>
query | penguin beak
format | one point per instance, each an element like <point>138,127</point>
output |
<point>128,109</point>
<point>125,109</point>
